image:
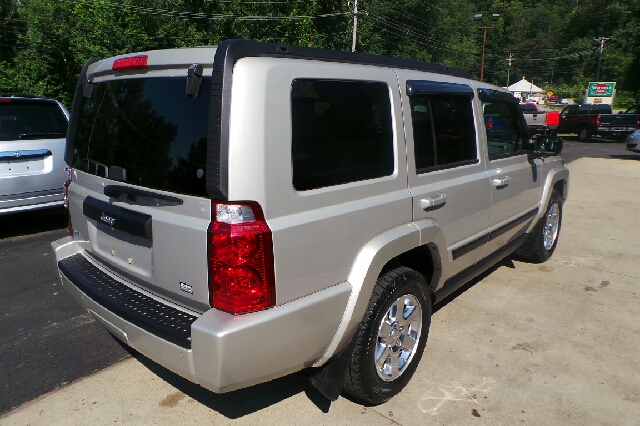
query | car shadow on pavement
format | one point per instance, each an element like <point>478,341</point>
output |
<point>242,402</point>
<point>34,222</point>
<point>626,157</point>
<point>507,262</point>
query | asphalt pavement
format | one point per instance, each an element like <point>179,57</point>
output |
<point>46,339</point>
<point>546,344</point>
<point>598,148</point>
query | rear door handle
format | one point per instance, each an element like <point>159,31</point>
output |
<point>434,200</point>
<point>500,181</point>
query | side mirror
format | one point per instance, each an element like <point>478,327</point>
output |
<point>546,145</point>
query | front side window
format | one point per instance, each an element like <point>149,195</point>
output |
<point>505,133</point>
<point>443,131</point>
<point>341,132</point>
<point>146,132</point>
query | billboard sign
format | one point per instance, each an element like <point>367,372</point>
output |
<point>600,92</point>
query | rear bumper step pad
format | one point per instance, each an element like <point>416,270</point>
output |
<point>137,308</point>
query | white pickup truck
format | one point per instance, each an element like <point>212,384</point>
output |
<point>539,121</point>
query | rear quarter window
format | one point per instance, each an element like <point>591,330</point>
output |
<point>341,132</point>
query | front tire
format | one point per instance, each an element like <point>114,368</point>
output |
<point>546,234</point>
<point>392,337</point>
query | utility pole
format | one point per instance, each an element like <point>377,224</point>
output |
<point>478,18</point>
<point>601,40</point>
<point>355,25</point>
<point>509,67</point>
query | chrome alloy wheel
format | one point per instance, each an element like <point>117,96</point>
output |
<point>398,336</point>
<point>550,231</point>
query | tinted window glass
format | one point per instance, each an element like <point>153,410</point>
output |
<point>146,132</point>
<point>505,132</point>
<point>28,120</point>
<point>528,109</point>
<point>443,131</point>
<point>341,132</point>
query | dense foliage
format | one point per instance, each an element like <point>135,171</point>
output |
<point>46,42</point>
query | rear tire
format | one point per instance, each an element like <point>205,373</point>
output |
<point>585,134</point>
<point>390,344</point>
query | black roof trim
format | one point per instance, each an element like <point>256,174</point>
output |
<point>427,87</point>
<point>76,114</point>
<point>496,95</point>
<point>231,51</point>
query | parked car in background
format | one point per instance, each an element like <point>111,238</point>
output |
<point>540,121</point>
<point>633,141</point>
<point>588,120</point>
<point>32,142</point>
<point>633,109</point>
<point>564,101</point>
<point>553,99</point>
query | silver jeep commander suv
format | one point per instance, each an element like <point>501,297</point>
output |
<point>247,210</point>
<point>32,145</point>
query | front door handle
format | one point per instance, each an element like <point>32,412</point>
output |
<point>500,181</point>
<point>432,201</point>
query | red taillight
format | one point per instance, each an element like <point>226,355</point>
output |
<point>5,100</point>
<point>553,118</point>
<point>240,252</point>
<point>65,191</point>
<point>130,63</point>
<point>598,119</point>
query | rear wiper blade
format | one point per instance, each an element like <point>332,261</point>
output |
<point>37,135</point>
<point>114,191</point>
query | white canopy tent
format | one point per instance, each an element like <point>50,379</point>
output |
<point>524,86</point>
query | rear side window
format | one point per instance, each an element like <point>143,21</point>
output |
<point>28,120</point>
<point>506,134</point>
<point>146,132</point>
<point>528,109</point>
<point>443,131</point>
<point>341,132</point>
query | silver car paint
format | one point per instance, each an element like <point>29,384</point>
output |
<point>305,223</point>
<point>33,184</point>
<point>330,244</point>
<point>224,354</point>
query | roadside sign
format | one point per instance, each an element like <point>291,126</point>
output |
<point>600,92</point>
<point>601,89</point>
<point>549,93</point>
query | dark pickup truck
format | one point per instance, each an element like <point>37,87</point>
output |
<point>588,120</point>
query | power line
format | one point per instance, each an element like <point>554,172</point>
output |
<point>199,15</point>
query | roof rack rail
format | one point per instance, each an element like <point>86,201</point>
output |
<point>234,49</point>
<point>18,95</point>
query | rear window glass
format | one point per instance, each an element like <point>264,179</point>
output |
<point>341,132</point>
<point>443,131</point>
<point>28,120</point>
<point>146,132</point>
<point>528,109</point>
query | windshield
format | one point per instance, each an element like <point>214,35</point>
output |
<point>146,132</point>
<point>30,119</point>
